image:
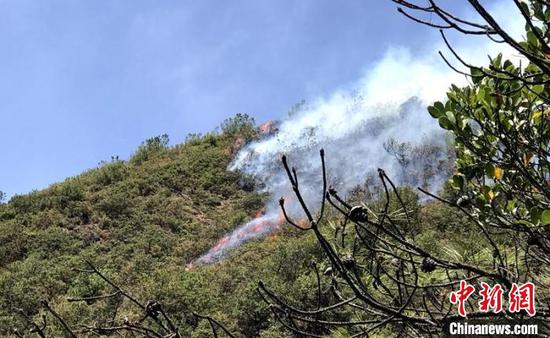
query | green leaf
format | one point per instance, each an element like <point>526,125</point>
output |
<point>545,217</point>
<point>445,123</point>
<point>434,112</point>
<point>536,215</point>
<point>508,65</point>
<point>525,7</point>
<point>538,89</point>
<point>490,170</point>
<point>458,181</point>
<point>523,222</point>
<point>439,106</point>
<point>532,39</point>
<point>524,45</point>
<point>477,75</point>
<point>536,117</point>
<point>497,61</point>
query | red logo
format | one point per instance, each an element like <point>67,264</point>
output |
<point>461,296</point>
<point>491,298</point>
<point>521,297</point>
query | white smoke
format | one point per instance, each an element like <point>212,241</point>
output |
<point>388,102</point>
<point>352,127</point>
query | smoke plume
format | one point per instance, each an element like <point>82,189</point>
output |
<point>355,126</point>
<point>388,105</point>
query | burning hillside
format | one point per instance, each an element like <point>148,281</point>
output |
<point>260,226</point>
<point>377,124</point>
<point>341,134</point>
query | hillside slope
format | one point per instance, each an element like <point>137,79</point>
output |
<point>141,222</point>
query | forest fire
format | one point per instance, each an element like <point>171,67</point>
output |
<point>263,224</point>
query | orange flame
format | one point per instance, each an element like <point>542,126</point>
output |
<point>260,225</point>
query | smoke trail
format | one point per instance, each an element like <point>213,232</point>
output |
<point>353,126</point>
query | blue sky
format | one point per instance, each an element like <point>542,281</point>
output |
<point>81,81</point>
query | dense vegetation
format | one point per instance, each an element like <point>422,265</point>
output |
<point>141,221</point>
